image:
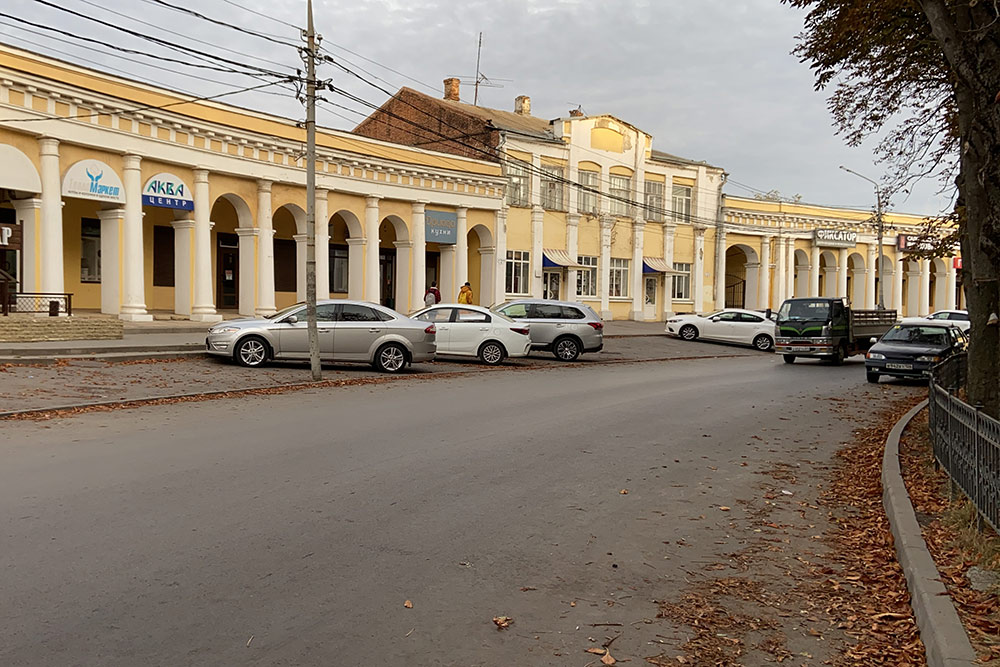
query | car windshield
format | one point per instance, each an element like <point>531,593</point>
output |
<point>284,311</point>
<point>804,310</point>
<point>917,335</point>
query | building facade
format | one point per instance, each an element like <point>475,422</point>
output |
<point>136,200</point>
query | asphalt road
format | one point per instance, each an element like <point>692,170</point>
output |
<point>290,529</point>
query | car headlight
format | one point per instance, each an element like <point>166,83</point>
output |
<point>222,330</point>
<point>929,358</point>
<point>673,321</point>
<point>876,355</point>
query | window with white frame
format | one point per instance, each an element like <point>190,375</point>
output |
<point>553,187</point>
<point>587,201</point>
<point>586,279</point>
<point>519,187</point>
<point>620,190</point>
<point>654,201</point>
<point>682,284</point>
<point>681,204</point>
<point>618,284</point>
<point>518,271</point>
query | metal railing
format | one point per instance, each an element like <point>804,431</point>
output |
<point>36,302</point>
<point>966,440</point>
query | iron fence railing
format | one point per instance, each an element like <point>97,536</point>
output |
<point>966,440</point>
<point>37,302</point>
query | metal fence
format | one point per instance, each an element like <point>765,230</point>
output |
<point>966,440</point>
<point>36,302</point>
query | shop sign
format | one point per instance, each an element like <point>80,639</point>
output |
<point>440,226</point>
<point>10,237</point>
<point>835,238</point>
<point>92,179</point>
<point>911,243</point>
<point>956,262</point>
<point>167,191</point>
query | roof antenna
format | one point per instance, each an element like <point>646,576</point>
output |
<point>481,79</point>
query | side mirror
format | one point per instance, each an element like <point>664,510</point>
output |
<point>292,319</point>
<point>715,319</point>
<point>873,340</point>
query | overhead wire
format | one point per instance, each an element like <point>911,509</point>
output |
<point>226,24</point>
<point>261,14</point>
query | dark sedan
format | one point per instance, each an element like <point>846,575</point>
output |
<point>910,349</point>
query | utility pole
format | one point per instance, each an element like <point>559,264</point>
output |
<point>879,231</point>
<point>310,58</point>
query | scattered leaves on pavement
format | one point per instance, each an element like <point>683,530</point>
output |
<point>502,622</point>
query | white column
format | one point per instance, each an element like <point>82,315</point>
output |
<point>487,282</point>
<point>950,285</point>
<point>814,271</point>
<point>537,227</point>
<point>764,278</point>
<point>446,281</point>
<point>897,285</point>
<point>28,212</point>
<point>842,273</point>
<point>418,257</point>
<point>719,297</point>
<point>133,272</point>
<point>698,272</point>
<point>870,277</point>
<point>668,258</point>
<point>356,268</point>
<point>604,266</point>
<point>248,239</point>
<point>203,309</point>
<point>404,251</point>
<point>573,250</point>
<point>925,287</point>
<point>183,265</point>
<point>50,237</point>
<point>462,252</point>
<point>782,267</point>
<point>322,245</point>
<point>265,252</point>
<point>300,266</point>
<point>789,268</point>
<point>500,268</point>
<point>371,291</point>
<point>638,293</point>
<point>111,259</point>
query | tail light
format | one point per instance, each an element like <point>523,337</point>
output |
<point>520,330</point>
<point>597,326</point>
<point>431,329</point>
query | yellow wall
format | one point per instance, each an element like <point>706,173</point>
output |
<point>85,295</point>
<point>606,139</point>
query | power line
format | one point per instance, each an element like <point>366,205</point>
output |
<point>263,15</point>
<point>375,62</point>
<point>226,24</point>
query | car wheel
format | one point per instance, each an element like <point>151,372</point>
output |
<point>566,349</point>
<point>390,358</point>
<point>763,342</point>
<point>873,377</point>
<point>788,358</point>
<point>251,351</point>
<point>492,353</point>
<point>688,332</point>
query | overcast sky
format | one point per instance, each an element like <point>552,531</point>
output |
<point>710,80</point>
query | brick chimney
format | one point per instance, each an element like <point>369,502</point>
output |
<point>576,113</point>
<point>522,105</point>
<point>451,87</point>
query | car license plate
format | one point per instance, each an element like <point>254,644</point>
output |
<point>900,367</point>
<point>798,349</point>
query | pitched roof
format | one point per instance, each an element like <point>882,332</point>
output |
<point>660,156</point>
<point>502,120</point>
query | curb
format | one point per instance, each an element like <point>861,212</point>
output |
<point>97,356</point>
<point>943,635</point>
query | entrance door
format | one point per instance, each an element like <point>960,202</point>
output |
<point>652,284</point>
<point>550,284</point>
<point>228,272</point>
<point>387,277</point>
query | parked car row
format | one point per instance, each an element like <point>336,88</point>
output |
<point>359,331</point>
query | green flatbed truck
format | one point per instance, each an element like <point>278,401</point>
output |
<point>826,328</point>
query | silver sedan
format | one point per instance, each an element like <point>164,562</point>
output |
<point>348,331</point>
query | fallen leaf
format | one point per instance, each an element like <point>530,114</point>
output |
<point>408,604</point>
<point>724,508</point>
<point>502,622</point>
<point>595,650</point>
<point>624,492</point>
<point>607,659</point>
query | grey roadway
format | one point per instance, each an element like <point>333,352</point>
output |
<point>290,529</point>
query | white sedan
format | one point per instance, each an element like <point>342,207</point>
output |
<point>732,325</point>
<point>958,318</point>
<point>465,330</point>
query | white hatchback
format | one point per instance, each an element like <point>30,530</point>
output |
<point>464,330</point>
<point>958,318</point>
<point>732,325</point>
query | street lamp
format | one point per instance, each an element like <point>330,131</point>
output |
<point>879,265</point>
